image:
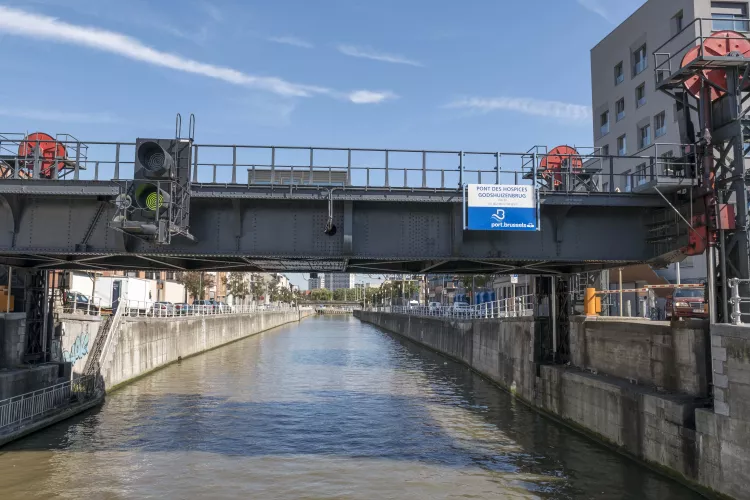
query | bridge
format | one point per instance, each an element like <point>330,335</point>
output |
<point>302,209</point>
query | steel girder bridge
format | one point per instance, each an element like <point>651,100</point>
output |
<point>70,204</point>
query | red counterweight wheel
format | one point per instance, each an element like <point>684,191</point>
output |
<point>720,44</point>
<point>50,152</point>
<point>562,159</point>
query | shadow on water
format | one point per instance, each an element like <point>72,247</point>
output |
<point>421,408</point>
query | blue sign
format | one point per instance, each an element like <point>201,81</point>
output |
<point>495,207</point>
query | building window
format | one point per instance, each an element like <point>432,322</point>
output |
<point>605,150</point>
<point>660,124</point>
<point>644,136</point>
<point>619,74</point>
<point>640,174</point>
<point>729,16</point>
<point>620,109</point>
<point>605,187</point>
<point>604,122</point>
<point>150,275</point>
<point>640,61</point>
<point>628,181</point>
<point>622,145</point>
<point>640,95</point>
<point>171,275</point>
<point>677,23</point>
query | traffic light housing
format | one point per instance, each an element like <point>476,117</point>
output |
<point>154,160</point>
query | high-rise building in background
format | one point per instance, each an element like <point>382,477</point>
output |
<point>316,281</point>
<point>336,281</point>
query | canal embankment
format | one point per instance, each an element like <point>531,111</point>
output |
<point>640,387</point>
<point>97,357</point>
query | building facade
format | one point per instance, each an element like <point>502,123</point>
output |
<point>632,119</point>
<point>316,283</point>
<point>336,281</point>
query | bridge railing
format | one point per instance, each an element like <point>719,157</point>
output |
<point>135,308</point>
<point>25,408</point>
<point>504,308</point>
<point>591,170</point>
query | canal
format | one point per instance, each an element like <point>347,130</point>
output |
<point>328,408</point>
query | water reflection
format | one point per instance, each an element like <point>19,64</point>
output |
<point>330,408</point>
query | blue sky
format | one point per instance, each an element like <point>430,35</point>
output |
<point>486,75</point>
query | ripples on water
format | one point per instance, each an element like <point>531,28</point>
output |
<point>330,408</point>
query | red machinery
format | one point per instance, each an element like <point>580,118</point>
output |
<point>720,44</point>
<point>720,216</point>
<point>52,154</point>
<point>561,160</point>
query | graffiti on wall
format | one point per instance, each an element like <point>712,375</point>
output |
<point>78,349</point>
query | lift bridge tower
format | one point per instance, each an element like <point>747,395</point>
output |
<point>707,72</point>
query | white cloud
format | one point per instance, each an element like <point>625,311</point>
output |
<point>369,97</point>
<point>613,11</point>
<point>21,23</point>
<point>368,53</point>
<point>57,116</point>
<point>291,40</point>
<point>525,105</point>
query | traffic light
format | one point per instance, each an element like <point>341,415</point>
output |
<point>153,159</point>
<point>155,205</point>
<point>149,196</point>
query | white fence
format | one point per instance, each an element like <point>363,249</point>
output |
<point>134,308</point>
<point>25,408</point>
<point>503,308</point>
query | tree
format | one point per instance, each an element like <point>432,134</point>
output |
<point>236,285</point>
<point>321,295</point>
<point>257,286</point>
<point>196,282</point>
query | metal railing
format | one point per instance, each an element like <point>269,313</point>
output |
<point>293,167</point>
<point>135,308</point>
<point>668,56</point>
<point>26,408</point>
<point>77,303</point>
<point>503,308</point>
<point>736,301</point>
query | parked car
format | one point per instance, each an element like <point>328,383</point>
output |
<point>688,303</point>
<point>183,309</point>
<point>205,306</point>
<point>76,301</point>
<point>161,309</point>
<point>435,306</point>
<point>223,307</point>
<point>461,309</point>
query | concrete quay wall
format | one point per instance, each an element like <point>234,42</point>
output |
<point>621,402</point>
<point>140,345</point>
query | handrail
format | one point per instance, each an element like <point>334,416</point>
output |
<point>28,407</point>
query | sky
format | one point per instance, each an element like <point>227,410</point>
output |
<point>482,75</point>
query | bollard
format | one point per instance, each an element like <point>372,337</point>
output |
<point>628,309</point>
<point>589,302</point>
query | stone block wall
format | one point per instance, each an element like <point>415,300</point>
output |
<point>12,339</point>
<point>723,434</point>
<point>673,357</point>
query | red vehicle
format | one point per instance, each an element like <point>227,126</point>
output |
<point>687,303</point>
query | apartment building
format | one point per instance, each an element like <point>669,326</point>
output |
<point>630,118</point>
<point>336,281</point>
<point>316,282</point>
